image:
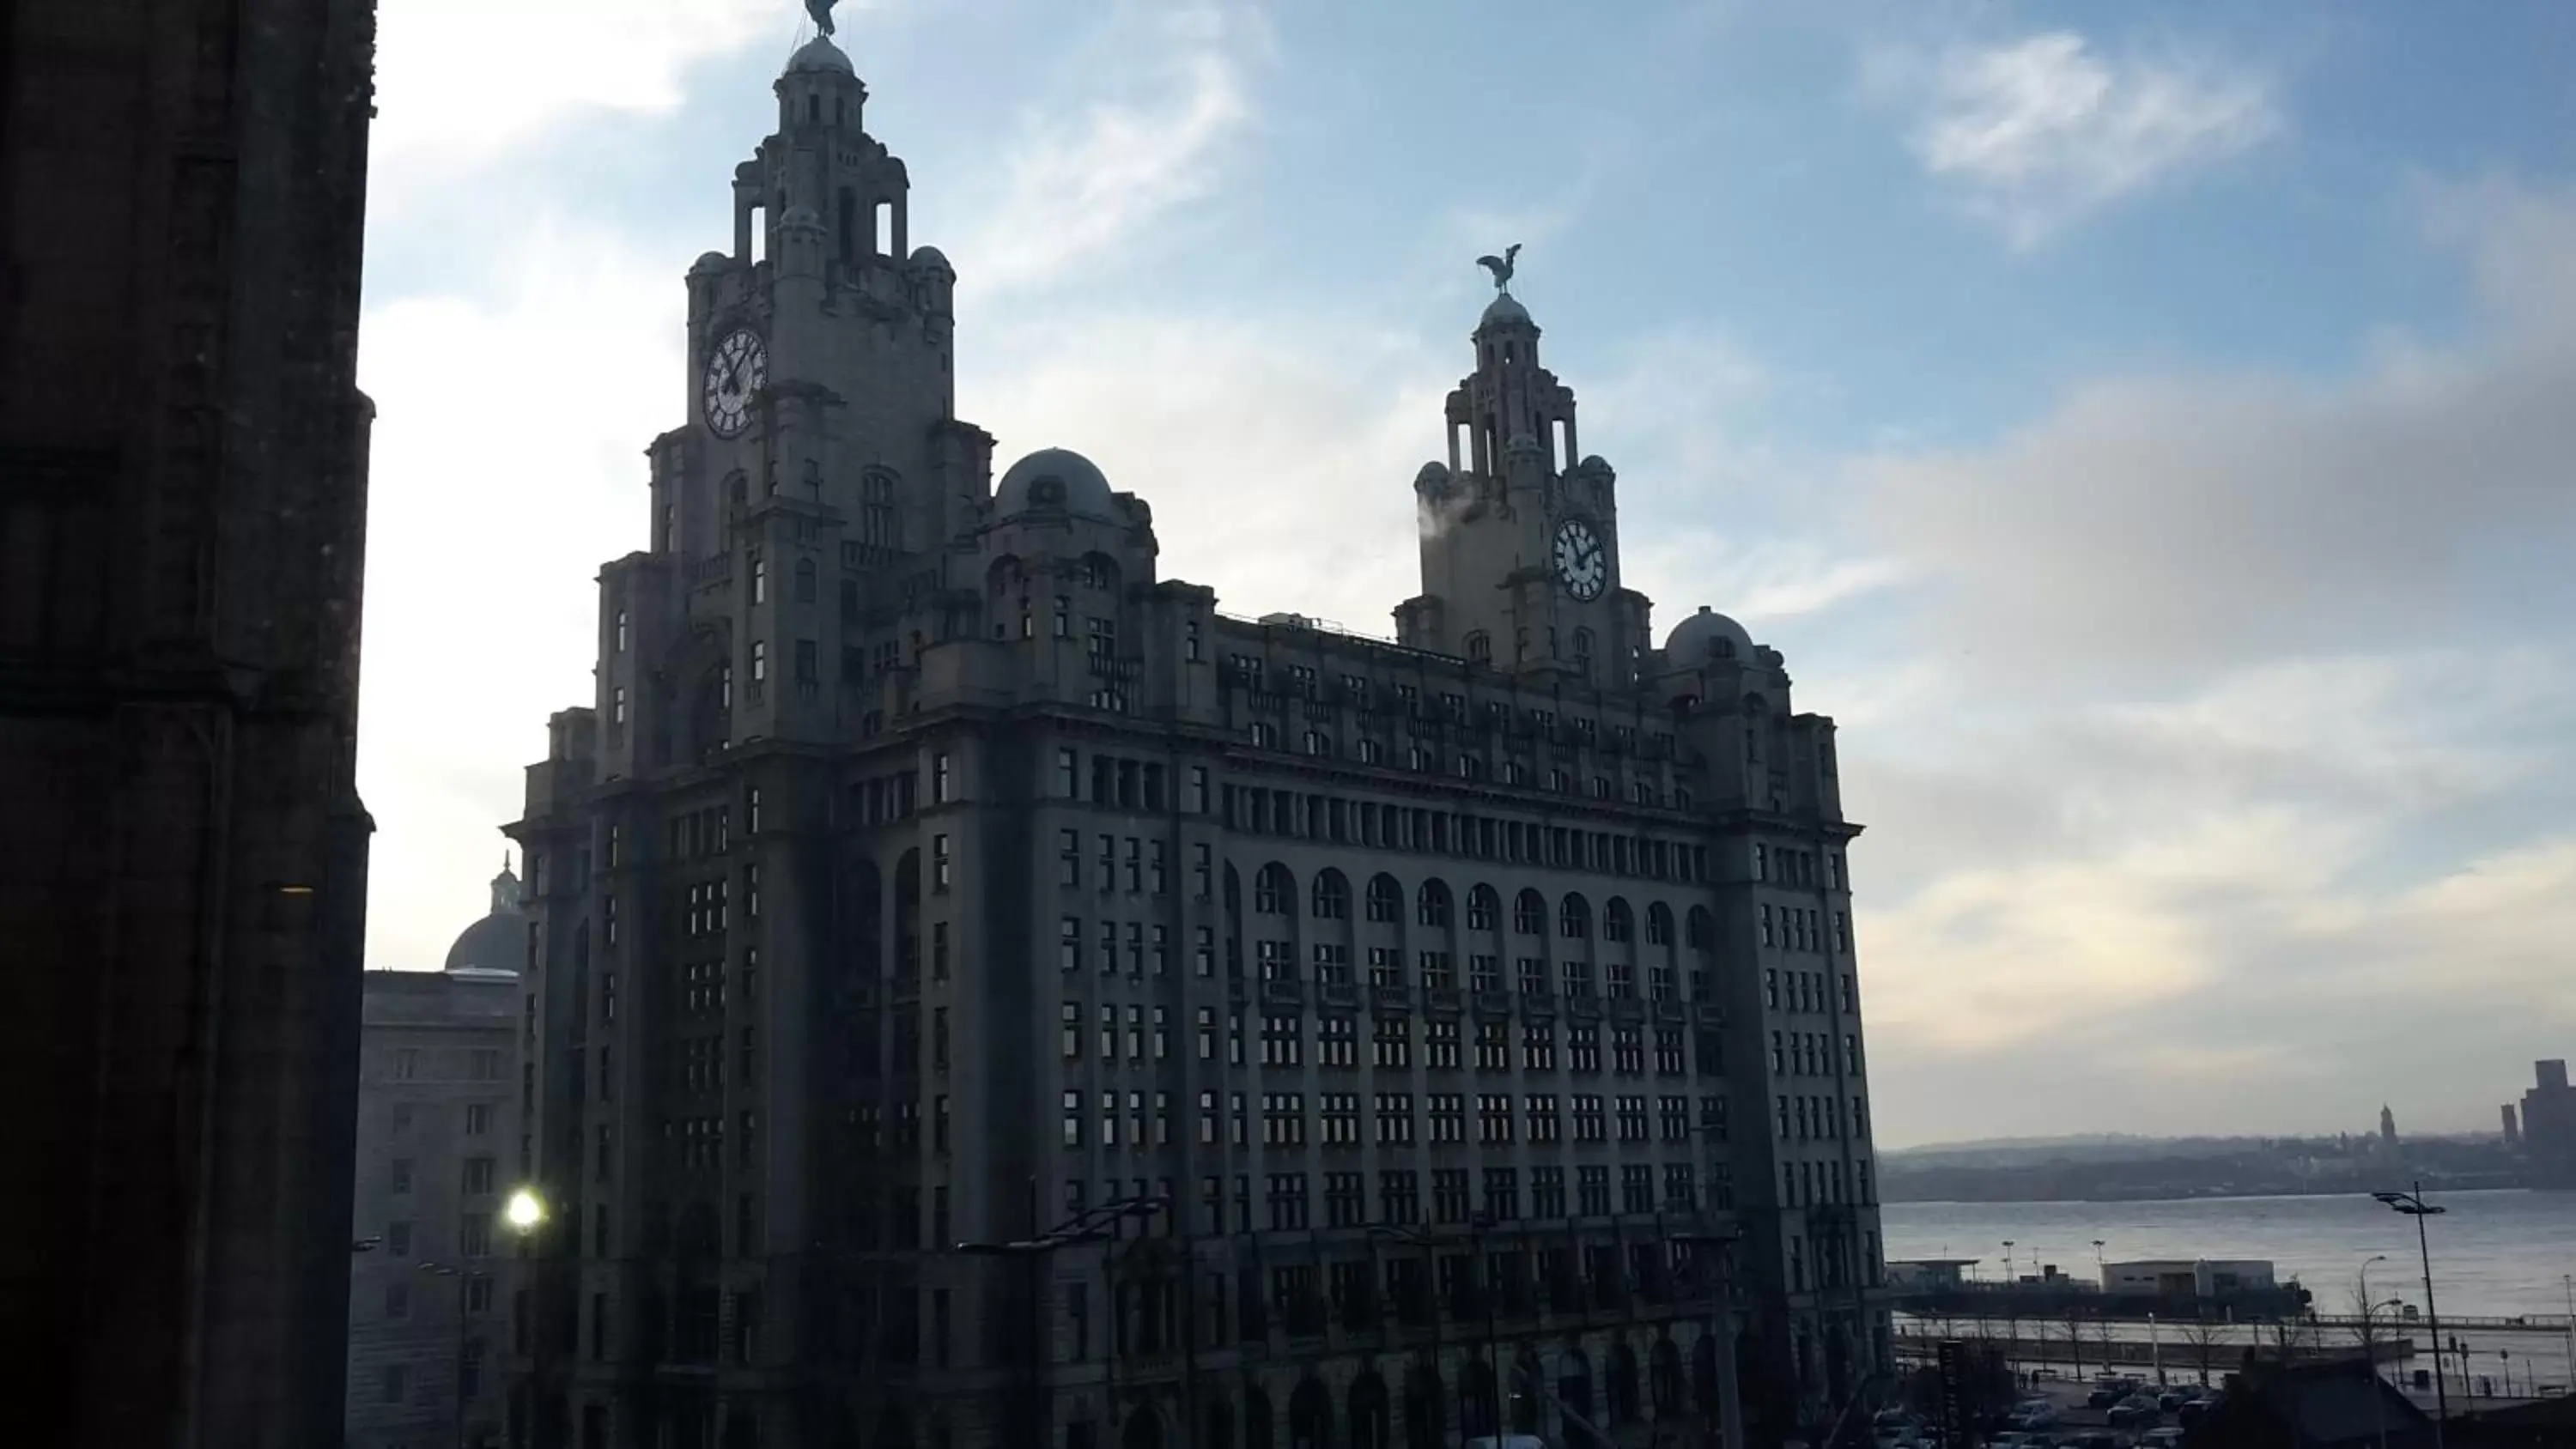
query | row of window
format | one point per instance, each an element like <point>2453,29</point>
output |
<point>1829,1119</point>
<point>1274,893</point>
<point>1808,991</point>
<point>475,1177</point>
<point>1260,810</point>
<point>1464,765</point>
<point>1301,681</point>
<point>1283,1041</point>
<point>1811,1054</point>
<point>1802,928</point>
<point>1137,1118</point>
<point>482,1064</point>
<point>1285,1201</point>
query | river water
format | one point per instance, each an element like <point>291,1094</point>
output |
<point>2494,1253</point>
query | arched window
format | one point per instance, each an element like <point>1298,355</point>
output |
<point>1480,647</point>
<point>1431,904</point>
<point>1484,908</point>
<point>1099,571</point>
<point>1616,923</point>
<point>1659,924</point>
<point>1583,646</point>
<point>1529,914</point>
<point>1385,899</point>
<point>804,581</point>
<point>1274,891</point>
<point>1332,896</point>
<point>1574,917</point>
<point>1703,929</point>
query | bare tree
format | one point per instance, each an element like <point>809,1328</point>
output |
<point>2075,1335</point>
<point>2202,1336</point>
<point>2365,1321</point>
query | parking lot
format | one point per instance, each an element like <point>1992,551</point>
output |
<point>2122,1413</point>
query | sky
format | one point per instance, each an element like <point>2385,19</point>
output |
<point>2149,431</point>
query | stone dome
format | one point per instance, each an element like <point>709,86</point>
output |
<point>499,941</point>
<point>1055,479</point>
<point>710,262</point>
<point>932,257</point>
<point>820,54</point>
<point>1593,463</point>
<point>1503,309</point>
<point>1707,635</point>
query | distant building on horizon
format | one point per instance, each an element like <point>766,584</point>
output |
<point>2387,1127</point>
<point>2512,1126</point>
<point>2549,1123</point>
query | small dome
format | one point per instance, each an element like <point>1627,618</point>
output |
<point>1056,479</point>
<point>820,54</point>
<point>927,257</point>
<point>1503,309</point>
<point>1707,635</point>
<point>710,262</point>
<point>1593,463</point>
<point>1432,472</point>
<point>499,941</point>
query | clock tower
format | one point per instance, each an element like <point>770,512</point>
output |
<point>1520,542</point>
<point>819,466</point>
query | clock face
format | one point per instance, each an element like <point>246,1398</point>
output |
<point>1580,563</point>
<point>737,369</point>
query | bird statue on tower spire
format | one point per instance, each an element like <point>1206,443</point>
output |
<point>821,10</point>
<point>1501,267</point>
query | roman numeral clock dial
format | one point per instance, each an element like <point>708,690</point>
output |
<point>736,371</point>
<point>1581,565</point>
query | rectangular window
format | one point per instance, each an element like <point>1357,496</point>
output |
<point>1069,945</point>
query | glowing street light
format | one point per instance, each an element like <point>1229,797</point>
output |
<point>524,1211</point>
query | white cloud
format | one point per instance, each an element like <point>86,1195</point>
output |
<point>459,82</point>
<point>2171,523</point>
<point>1074,188</point>
<point>507,463</point>
<point>1278,453</point>
<point>2044,130</point>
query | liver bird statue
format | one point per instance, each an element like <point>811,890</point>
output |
<point>1501,266</point>
<point>821,10</point>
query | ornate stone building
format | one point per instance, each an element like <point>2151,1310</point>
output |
<point>438,1154</point>
<point>989,996</point>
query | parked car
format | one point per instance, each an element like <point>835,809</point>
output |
<point>2130,1416</point>
<point>2104,1396</point>
<point>2167,1437</point>
<point>2171,1399</point>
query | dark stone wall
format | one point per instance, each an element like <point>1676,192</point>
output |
<point>182,849</point>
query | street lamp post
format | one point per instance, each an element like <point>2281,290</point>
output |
<point>1480,1225</point>
<point>1089,1226</point>
<point>2369,1335</point>
<point>2012,1311</point>
<point>2412,1204</point>
<point>1721,1327</point>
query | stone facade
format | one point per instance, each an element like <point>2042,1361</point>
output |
<point>438,1153</point>
<point>930,880</point>
<point>183,465</point>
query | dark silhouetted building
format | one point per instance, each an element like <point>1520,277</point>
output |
<point>182,851</point>
<point>929,866</point>
<point>2549,1124</point>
